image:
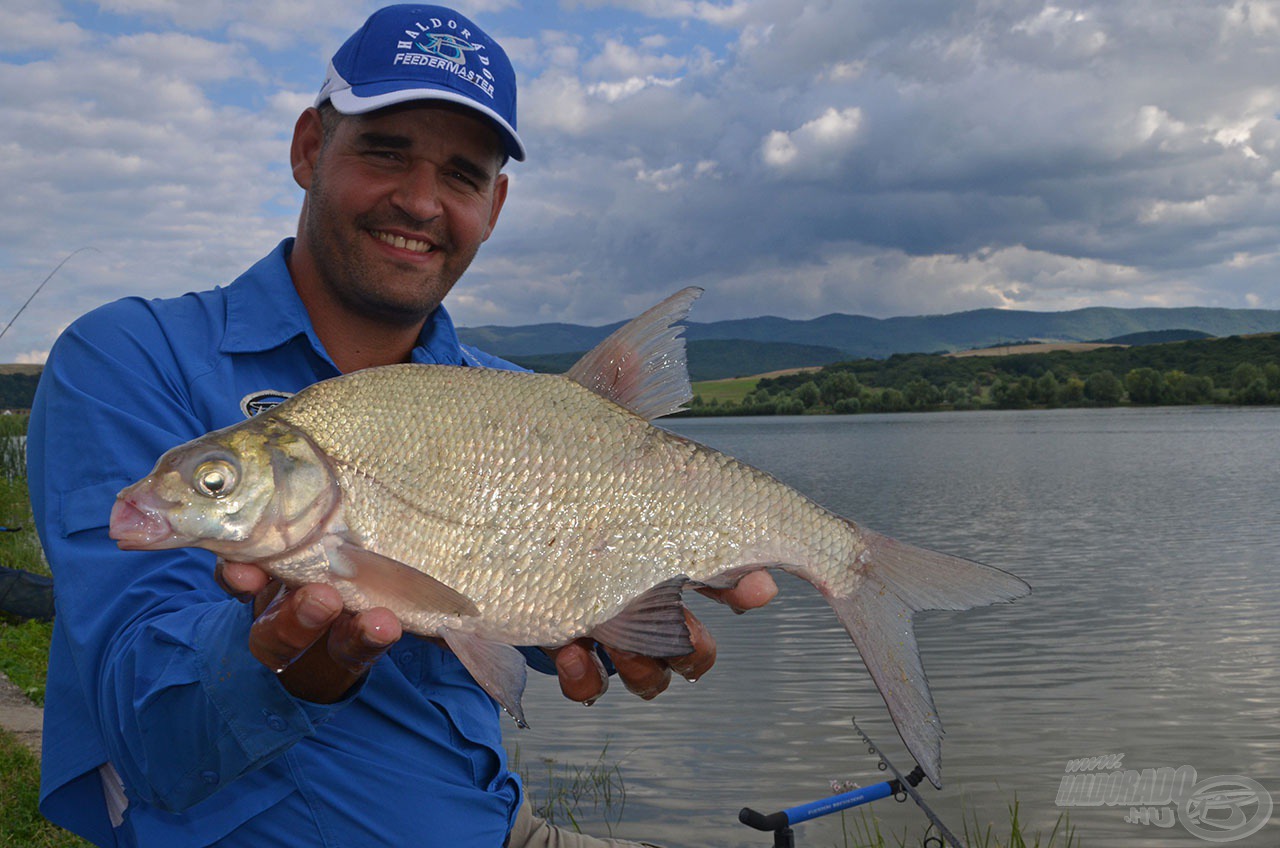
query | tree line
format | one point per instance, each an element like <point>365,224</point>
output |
<point>1234,370</point>
<point>17,390</point>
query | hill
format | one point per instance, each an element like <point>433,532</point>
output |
<point>858,336</point>
<point>714,360</point>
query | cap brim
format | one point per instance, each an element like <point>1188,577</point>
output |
<point>349,102</point>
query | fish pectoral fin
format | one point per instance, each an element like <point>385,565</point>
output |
<point>393,583</point>
<point>654,624</point>
<point>642,365</point>
<point>499,668</point>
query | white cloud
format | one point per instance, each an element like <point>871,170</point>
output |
<point>616,59</point>
<point>614,91</point>
<point>27,26</point>
<point>816,144</point>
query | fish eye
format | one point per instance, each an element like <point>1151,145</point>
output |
<point>215,479</point>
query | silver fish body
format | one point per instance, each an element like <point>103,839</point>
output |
<point>496,508</point>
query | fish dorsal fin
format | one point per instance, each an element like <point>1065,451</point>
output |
<point>642,365</point>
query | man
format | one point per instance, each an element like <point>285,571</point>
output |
<point>176,716</point>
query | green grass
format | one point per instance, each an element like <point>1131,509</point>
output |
<point>24,645</point>
<point>24,655</point>
<point>1063,834</point>
<point>732,390</point>
<point>21,825</point>
<point>863,830</point>
<point>564,791</point>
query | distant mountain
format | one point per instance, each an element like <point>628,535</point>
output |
<point>713,360</point>
<point>857,336</point>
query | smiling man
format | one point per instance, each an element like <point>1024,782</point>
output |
<point>177,716</point>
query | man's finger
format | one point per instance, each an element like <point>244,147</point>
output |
<point>240,580</point>
<point>753,590</point>
<point>328,669</point>
<point>292,623</point>
<point>692,666</point>
<point>356,642</point>
<point>647,677</point>
<point>582,675</point>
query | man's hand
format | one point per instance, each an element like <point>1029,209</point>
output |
<point>583,678</point>
<point>318,650</point>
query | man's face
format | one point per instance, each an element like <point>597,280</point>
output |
<point>398,202</point>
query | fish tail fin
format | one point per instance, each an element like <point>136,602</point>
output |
<point>898,580</point>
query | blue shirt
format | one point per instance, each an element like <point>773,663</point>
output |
<point>149,669</point>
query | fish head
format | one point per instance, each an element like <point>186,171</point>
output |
<point>247,492</point>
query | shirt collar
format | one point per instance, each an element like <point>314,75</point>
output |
<point>264,312</point>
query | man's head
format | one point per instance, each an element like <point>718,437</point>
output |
<point>401,161</point>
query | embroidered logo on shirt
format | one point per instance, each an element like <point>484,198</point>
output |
<point>255,402</point>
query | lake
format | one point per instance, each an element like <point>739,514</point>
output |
<point>1150,539</point>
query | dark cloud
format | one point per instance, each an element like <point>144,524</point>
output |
<point>795,158</point>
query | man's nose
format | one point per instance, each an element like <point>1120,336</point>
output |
<point>418,194</point>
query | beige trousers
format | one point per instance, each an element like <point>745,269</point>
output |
<point>532,832</point>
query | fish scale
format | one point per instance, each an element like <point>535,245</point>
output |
<point>496,508</point>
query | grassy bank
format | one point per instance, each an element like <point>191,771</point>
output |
<point>24,650</point>
<point>24,645</point>
<point>21,825</point>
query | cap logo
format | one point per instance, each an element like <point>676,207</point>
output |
<point>443,45</point>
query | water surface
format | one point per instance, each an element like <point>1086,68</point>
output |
<point>1149,537</point>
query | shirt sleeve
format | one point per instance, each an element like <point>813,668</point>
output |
<point>159,652</point>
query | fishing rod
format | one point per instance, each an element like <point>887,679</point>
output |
<point>901,788</point>
<point>57,268</point>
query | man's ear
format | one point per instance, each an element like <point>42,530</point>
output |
<point>304,152</point>
<point>499,198</point>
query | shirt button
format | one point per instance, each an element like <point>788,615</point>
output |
<point>276,723</point>
<point>209,777</point>
<point>405,660</point>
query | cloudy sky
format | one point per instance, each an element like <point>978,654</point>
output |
<point>794,157</point>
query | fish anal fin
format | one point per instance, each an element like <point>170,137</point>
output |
<point>499,668</point>
<point>391,583</point>
<point>642,364</point>
<point>653,624</point>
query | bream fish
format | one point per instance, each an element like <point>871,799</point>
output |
<point>495,508</point>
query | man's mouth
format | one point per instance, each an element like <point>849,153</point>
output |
<point>414,245</point>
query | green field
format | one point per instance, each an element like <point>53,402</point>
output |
<point>732,390</point>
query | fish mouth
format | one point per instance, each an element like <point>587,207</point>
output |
<point>138,527</point>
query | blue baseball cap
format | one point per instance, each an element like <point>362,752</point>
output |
<point>411,52</point>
